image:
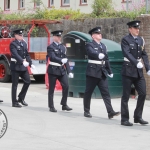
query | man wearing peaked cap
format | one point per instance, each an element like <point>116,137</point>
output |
<point>57,69</point>
<point>133,48</point>
<point>135,24</point>
<point>95,30</point>
<point>20,60</point>
<point>18,31</point>
<point>98,68</point>
<point>57,33</point>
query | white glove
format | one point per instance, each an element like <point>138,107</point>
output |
<point>148,72</point>
<point>70,75</point>
<point>111,75</point>
<point>64,60</point>
<point>32,66</point>
<point>139,65</point>
<point>25,63</point>
<point>101,55</point>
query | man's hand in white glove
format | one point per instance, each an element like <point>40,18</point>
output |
<point>70,75</point>
<point>25,63</point>
<point>64,60</point>
<point>110,75</point>
<point>148,72</point>
<point>32,66</point>
<point>101,56</point>
<point>139,65</point>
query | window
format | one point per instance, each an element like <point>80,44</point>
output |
<point>83,1</point>
<point>7,4</point>
<point>124,1</point>
<point>65,2</point>
<point>50,3</point>
<point>21,4</point>
<point>37,3</point>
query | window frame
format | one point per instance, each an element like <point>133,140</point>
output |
<point>83,4</point>
<point>65,5</point>
<point>6,9</point>
<point>19,3</point>
<point>49,3</point>
<point>36,6</point>
<point>125,1</point>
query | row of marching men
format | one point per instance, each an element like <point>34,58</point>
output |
<point>98,69</point>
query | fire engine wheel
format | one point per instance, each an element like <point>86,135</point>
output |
<point>39,78</point>
<point>4,74</point>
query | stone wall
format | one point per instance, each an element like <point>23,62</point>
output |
<point>145,32</point>
<point>113,28</point>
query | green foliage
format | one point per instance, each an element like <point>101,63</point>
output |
<point>101,6</point>
<point>58,14</point>
<point>101,9</point>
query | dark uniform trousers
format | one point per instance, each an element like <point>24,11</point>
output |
<point>102,84</point>
<point>19,52</point>
<point>15,78</point>
<point>96,75</point>
<point>140,86</point>
<point>133,50</point>
<point>56,53</point>
<point>52,82</point>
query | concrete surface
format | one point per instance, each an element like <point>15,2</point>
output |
<point>35,128</point>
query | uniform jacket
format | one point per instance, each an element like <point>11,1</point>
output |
<point>56,54</point>
<point>133,50</point>
<point>19,52</point>
<point>97,70</point>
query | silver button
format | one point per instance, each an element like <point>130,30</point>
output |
<point>138,45</point>
<point>138,57</point>
<point>138,51</point>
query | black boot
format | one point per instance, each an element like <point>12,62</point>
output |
<point>87,114</point>
<point>112,114</point>
<point>65,107</point>
<point>22,102</point>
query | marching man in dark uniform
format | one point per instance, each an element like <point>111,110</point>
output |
<point>132,73</point>
<point>98,69</point>
<point>20,60</point>
<point>57,70</point>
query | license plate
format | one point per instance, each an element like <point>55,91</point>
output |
<point>42,61</point>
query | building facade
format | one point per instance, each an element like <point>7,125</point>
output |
<point>83,5</point>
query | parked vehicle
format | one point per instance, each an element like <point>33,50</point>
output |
<point>37,55</point>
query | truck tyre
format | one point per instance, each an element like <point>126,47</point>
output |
<point>4,71</point>
<point>39,78</point>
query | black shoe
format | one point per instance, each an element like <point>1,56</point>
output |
<point>141,121</point>
<point>52,109</point>
<point>126,123</point>
<point>65,107</point>
<point>87,114</point>
<point>1,101</point>
<point>112,114</point>
<point>16,105</point>
<point>22,102</point>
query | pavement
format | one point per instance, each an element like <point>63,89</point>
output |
<point>35,128</point>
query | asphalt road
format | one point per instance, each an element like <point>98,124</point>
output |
<point>35,128</point>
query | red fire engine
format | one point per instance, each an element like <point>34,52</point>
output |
<point>38,57</point>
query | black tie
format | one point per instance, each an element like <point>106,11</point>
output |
<point>21,43</point>
<point>136,40</point>
<point>100,46</point>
